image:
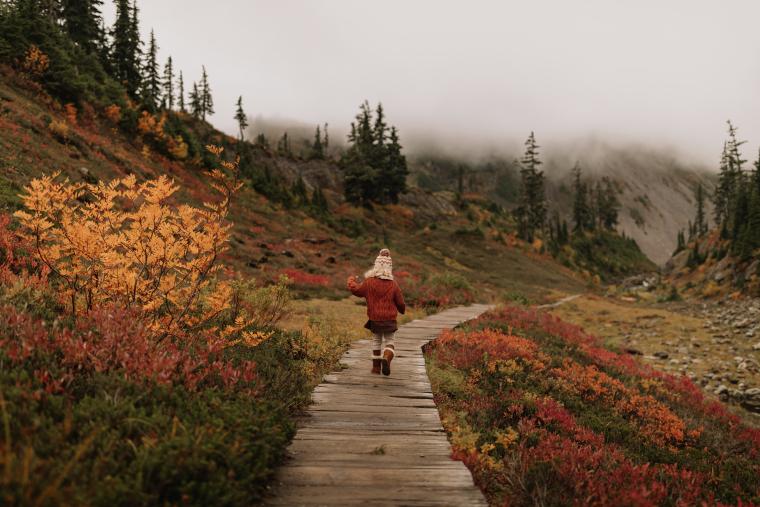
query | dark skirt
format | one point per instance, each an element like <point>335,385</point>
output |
<point>382,326</point>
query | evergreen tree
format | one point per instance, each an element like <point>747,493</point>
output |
<point>103,49</point>
<point>724,189</point>
<point>752,229</point>
<point>360,174</point>
<point>395,169</point>
<point>126,53</point>
<point>326,141</point>
<point>51,10</point>
<point>241,118</point>
<point>181,93</point>
<point>700,221</point>
<point>531,210</point>
<point>196,107</point>
<point>317,148</point>
<point>741,207</point>
<point>83,22</point>
<point>207,101</point>
<point>582,219</point>
<point>262,141</point>
<point>283,146</point>
<point>734,154</point>
<point>374,168</point>
<point>168,97</point>
<point>608,204</point>
<point>380,130</point>
<point>299,193</point>
<point>680,242</point>
<point>319,201</point>
<point>151,92</point>
<point>730,182</point>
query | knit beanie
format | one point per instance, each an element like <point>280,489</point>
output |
<point>383,267</point>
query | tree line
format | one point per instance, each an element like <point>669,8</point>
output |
<point>595,205</point>
<point>736,200</point>
<point>374,169</point>
<point>89,60</point>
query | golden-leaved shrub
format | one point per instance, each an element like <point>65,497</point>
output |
<point>128,243</point>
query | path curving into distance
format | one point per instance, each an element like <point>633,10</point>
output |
<point>374,440</point>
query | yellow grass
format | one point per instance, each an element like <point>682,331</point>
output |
<point>612,320</point>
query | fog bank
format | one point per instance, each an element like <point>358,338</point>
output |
<point>482,72</point>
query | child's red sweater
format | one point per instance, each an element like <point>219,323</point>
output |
<point>384,298</point>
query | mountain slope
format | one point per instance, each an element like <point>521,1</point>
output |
<point>656,191</point>
<point>428,233</point>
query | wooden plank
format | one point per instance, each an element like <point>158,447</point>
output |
<point>375,440</point>
<point>386,494</point>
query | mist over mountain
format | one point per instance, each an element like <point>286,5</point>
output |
<point>656,185</point>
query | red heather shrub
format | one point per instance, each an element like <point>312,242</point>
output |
<point>680,390</point>
<point>635,449</point>
<point>112,339</point>
<point>589,474</point>
<point>437,291</point>
<point>530,319</point>
<point>302,278</point>
<point>16,263</point>
<point>465,350</point>
<point>655,420</point>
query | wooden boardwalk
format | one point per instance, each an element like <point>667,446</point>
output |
<point>374,440</point>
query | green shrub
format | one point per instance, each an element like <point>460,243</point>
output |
<point>112,442</point>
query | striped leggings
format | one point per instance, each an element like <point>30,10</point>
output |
<point>380,339</point>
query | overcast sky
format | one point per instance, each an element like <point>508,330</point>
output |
<point>665,72</point>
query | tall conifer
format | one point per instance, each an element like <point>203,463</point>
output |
<point>241,118</point>
<point>125,53</point>
<point>531,210</point>
<point>581,213</point>
<point>83,22</point>
<point>317,147</point>
<point>700,220</point>
<point>181,93</point>
<point>207,100</point>
<point>196,107</point>
<point>151,92</point>
<point>168,83</point>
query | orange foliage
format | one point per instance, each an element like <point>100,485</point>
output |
<point>113,113</point>
<point>59,129</point>
<point>35,61</point>
<point>656,421</point>
<point>71,113</point>
<point>150,125</point>
<point>126,244</point>
<point>177,147</point>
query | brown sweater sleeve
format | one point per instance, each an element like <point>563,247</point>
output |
<point>356,289</point>
<point>398,298</point>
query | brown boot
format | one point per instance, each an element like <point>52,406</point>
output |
<point>376,360</point>
<point>388,355</point>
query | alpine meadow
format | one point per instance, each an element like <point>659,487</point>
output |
<point>351,253</point>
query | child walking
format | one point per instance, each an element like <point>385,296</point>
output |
<point>384,303</point>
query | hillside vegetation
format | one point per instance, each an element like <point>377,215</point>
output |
<point>149,264</point>
<point>656,192</point>
<point>723,259</point>
<point>543,414</point>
